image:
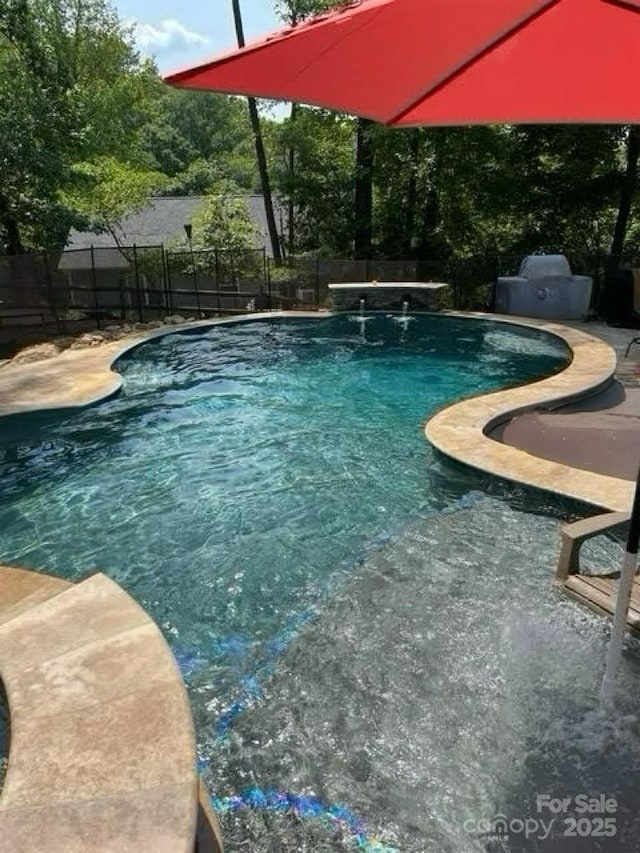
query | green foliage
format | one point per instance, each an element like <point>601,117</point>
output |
<point>224,222</point>
<point>190,129</point>
<point>72,90</point>
<point>104,191</point>
<point>88,131</point>
<point>293,11</point>
<point>225,243</point>
<point>321,187</point>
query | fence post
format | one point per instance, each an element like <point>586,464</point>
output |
<point>267,270</point>
<point>95,287</point>
<point>317,282</point>
<point>165,279</point>
<point>137,276</point>
<point>167,256</point>
<point>265,276</point>
<point>217,269</point>
<point>195,277</point>
<point>49,284</point>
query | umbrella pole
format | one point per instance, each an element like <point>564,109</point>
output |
<point>627,574</point>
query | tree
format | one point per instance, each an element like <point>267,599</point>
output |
<point>199,138</point>
<point>224,223</point>
<point>224,238</point>
<point>106,190</point>
<point>627,191</point>
<point>321,187</point>
<point>293,12</point>
<point>363,192</point>
<point>260,152</point>
<point>72,90</point>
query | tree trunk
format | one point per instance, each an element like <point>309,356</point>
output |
<point>627,192</point>
<point>291,212</point>
<point>412,193</point>
<point>431,248</point>
<point>260,154</point>
<point>363,191</point>
<point>13,243</point>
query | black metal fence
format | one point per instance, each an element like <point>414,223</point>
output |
<point>88,288</point>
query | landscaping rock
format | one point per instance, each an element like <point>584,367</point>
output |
<point>38,352</point>
<point>113,332</point>
<point>89,339</point>
<point>63,342</point>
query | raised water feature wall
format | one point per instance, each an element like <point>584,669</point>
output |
<point>388,296</point>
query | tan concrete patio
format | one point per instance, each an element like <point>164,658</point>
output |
<point>463,430</point>
<point>599,434</point>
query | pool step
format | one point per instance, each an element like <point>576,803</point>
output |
<point>21,590</point>
<point>102,754</point>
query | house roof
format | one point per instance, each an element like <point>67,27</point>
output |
<point>161,222</point>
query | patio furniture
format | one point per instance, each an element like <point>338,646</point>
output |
<point>596,591</point>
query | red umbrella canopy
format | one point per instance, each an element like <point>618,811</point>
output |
<point>447,62</point>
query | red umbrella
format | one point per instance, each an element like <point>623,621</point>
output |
<point>445,62</point>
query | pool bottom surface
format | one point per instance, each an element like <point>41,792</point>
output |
<point>445,685</point>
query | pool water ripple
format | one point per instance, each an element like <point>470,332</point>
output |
<point>236,486</point>
<point>253,439</point>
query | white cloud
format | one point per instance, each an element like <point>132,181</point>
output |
<point>169,34</point>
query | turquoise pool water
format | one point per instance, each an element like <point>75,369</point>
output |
<point>245,486</point>
<point>241,472</point>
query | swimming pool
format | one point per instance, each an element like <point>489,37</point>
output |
<point>241,486</point>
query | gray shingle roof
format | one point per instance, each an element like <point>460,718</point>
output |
<point>161,222</point>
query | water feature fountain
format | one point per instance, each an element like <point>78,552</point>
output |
<point>361,318</point>
<point>403,319</point>
<point>389,295</point>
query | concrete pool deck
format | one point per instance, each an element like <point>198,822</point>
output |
<point>600,434</point>
<point>91,683</point>
<point>502,433</point>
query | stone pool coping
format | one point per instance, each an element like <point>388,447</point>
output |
<point>90,684</point>
<point>80,377</point>
<point>460,430</point>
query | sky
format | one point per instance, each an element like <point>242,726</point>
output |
<point>181,33</point>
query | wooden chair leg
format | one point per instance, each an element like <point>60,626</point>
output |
<point>569,559</point>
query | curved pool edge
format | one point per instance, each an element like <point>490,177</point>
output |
<point>81,377</point>
<point>459,431</point>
